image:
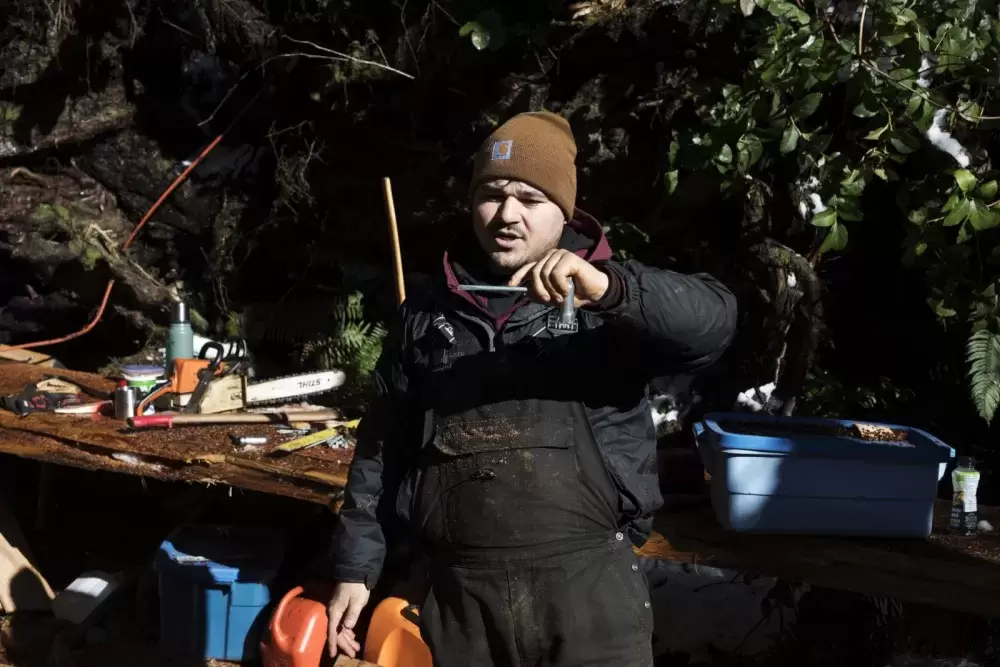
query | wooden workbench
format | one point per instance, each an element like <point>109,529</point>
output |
<point>948,571</point>
<point>202,454</point>
<point>957,573</point>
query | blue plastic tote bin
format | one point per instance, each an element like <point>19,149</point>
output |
<point>811,476</point>
<point>213,587</point>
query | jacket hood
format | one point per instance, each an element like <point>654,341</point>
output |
<point>584,235</point>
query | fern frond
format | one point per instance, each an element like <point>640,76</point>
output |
<point>983,355</point>
<point>298,321</point>
<point>323,333</point>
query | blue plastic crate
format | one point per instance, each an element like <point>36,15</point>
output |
<point>798,475</point>
<point>213,588</point>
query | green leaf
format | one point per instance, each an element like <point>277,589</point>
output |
<point>958,215</point>
<point>951,203</point>
<point>937,305</point>
<point>981,217</point>
<point>965,179</point>
<point>983,357</point>
<point>852,189</point>
<point>806,106</point>
<point>875,134</point>
<point>923,41</point>
<point>904,142</point>
<point>747,7</point>
<point>894,39</point>
<point>825,219</point>
<point>481,39</point>
<point>782,9</point>
<point>862,111</point>
<point>963,234</point>
<point>750,150</point>
<point>670,179</point>
<point>972,110</point>
<point>836,239</point>
<point>771,73</point>
<point>789,140</point>
<point>848,205</point>
<point>987,190</point>
<point>725,155</point>
<point>918,216</point>
<point>848,45</point>
<point>903,74</point>
<point>913,106</point>
<point>479,34</point>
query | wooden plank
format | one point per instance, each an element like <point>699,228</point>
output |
<point>344,661</point>
<point>12,356</point>
<point>22,586</point>
<point>947,571</point>
<point>44,448</point>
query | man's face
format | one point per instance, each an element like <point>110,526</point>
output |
<point>515,223</point>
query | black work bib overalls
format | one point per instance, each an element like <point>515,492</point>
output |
<point>530,561</point>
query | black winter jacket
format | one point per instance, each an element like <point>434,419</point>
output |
<point>652,323</point>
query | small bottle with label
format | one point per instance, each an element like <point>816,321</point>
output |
<point>964,509</point>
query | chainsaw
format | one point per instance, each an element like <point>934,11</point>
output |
<point>234,392</point>
<point>209,386</point>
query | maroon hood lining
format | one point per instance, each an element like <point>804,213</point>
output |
<point>598,251</point>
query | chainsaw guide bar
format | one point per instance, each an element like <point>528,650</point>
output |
<point>293,386</point>
<point>233,392</point>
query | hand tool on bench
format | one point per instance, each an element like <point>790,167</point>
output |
<point>565,321</point>
<point>86,388</point>
<point>221,385</point>
<point>312,439</point>
<point>171,419</point>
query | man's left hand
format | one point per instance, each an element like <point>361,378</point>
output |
<point>549,278</point>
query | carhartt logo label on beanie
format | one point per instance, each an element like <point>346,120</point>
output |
<point>501,149</point>
<point>536,148</point>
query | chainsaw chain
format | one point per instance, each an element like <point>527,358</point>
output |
<point>285,399</point>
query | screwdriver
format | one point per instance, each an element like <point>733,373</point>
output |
<point>566,316</point>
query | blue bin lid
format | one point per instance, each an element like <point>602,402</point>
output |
<point>919,446</point>
<point>213,554</point>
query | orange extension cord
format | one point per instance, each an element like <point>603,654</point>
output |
<point>128,242</point>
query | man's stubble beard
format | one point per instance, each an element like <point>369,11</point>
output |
<point>507,264</point>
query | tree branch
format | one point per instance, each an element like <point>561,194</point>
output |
<point>343,56</point>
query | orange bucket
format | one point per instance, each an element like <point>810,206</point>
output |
<point>298,630</point>
<point>393,638</point>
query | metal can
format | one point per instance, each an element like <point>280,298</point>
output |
<point>126,399</point>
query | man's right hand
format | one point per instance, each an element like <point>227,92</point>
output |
<point>345,607</point>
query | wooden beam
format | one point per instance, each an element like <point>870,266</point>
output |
<point>947,571</point>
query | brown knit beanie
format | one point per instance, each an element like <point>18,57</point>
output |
<point>537,148</point>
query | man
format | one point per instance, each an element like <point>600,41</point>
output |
<point>519,451</point>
